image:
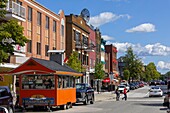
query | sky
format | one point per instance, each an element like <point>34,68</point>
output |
<point>143,25</point>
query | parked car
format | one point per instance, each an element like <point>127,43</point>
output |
<point>127,85</point>
<point>152,83</point>
<point>3,109</point>
<point>84,93</point>
<point>155,91</point>
<point>121,88</point>
<point>6,99</point>
<point>132,86</point>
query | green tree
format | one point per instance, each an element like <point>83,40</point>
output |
<point>152,72</point>
<point>2,7</point>
<point>167,74</point>
<point>99,72</point>
<point>133,64</point>
<point>10,30</point>
<point>74,62</point>
<point>126,74</point>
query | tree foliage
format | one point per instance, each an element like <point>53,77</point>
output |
<point>126,74</point>
<point>10,30</point>
<point>99,72</point>
<point>133,64</point>
<point>74,62</point>
<point>152,72</point>
<point>2,7</point>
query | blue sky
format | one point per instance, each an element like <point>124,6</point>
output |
<point>142,24</point>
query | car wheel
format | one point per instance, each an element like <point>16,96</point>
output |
<point>86,101</point>
<point>92,100</point>
<point>10,110</point>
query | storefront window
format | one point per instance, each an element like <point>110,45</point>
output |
<point>38,82</point>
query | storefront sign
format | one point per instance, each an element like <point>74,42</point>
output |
<point>38,100</point>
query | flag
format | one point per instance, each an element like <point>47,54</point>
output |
<point>66,60</point>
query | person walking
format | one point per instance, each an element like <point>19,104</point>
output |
<point>117,94</point>
<point>125,94</point>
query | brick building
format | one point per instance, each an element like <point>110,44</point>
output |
<point>44,29</point>
<point>77,39</point>
<point>111,61</point>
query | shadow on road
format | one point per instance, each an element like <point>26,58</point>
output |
<point>150,104</point>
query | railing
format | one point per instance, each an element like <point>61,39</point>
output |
<point>15,8</point>
<point>18,9</point>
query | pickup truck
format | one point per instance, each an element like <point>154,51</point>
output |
<point>6,99</point>
<point>84,93</point>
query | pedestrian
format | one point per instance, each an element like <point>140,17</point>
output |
<point>125,94</point>
<point>117,94</point>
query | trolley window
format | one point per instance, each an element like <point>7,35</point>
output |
<point>38,82</point>
<point>66,81</point>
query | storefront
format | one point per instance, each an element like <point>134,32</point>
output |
<point>45,83</point>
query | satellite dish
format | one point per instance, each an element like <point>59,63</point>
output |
<point>85,14</point>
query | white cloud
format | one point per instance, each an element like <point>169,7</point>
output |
<point>147,27</point>
<point>105,17</point>
<point>148,50</point>
<point>163,65</point>
<point>106,37</point>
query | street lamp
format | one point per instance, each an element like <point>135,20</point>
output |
<point>86,47</point>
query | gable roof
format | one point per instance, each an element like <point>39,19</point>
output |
<point>54,65</point>
<point>35,65</point>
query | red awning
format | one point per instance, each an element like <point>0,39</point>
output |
<point>106,80</point>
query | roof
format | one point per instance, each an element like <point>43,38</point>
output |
<point>41,66</point>
<point>54,65</point>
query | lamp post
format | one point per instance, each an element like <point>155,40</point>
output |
<point>86,47</point>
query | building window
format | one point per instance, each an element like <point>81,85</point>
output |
<point>54,48</point>
<point>87,60</point>
<point>77,37</point>
<point>38,18</point>
<point>29,30</point>
<point>29,46</point>
<point>38,48</point>
<point>54,34</point>
<point>74,35</point>
<point>62,30</point>
<point>85,40</point>
<point>46,50</point>
<point>47,22</point>
<point>54,26</point>
<point>29,14</point>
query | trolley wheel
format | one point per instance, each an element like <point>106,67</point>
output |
<point>69,105</point>
<point>63,107</point>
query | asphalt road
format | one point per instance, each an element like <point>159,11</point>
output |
<point>138,102</point>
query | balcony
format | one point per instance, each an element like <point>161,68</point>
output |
<point>80,45</point>
<point>15,11</point>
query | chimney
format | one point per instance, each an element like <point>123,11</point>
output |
<point>57,56</point>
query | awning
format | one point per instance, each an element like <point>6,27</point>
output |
<point>106,80</point>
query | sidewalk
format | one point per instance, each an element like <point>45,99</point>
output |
<point>104,96</point>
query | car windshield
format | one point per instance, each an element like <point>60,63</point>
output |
<point>80,86</point>
<point>121,86</point>
<point>155,88</point>
<point>3,92</point>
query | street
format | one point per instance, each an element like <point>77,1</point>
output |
<point>138,102</point>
